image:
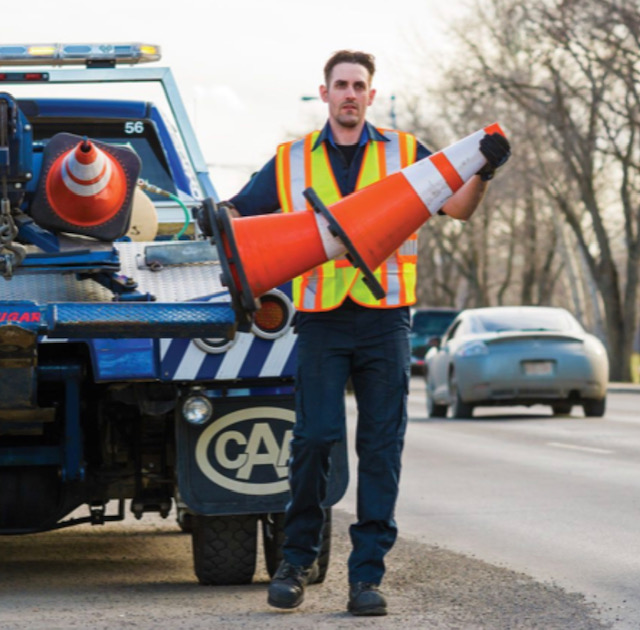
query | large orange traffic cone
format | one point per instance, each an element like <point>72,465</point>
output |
<point>86,187</point>
<point>259,253</point>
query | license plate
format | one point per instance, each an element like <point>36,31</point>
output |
<point>538,368</point>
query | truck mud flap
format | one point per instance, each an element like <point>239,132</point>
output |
<point>237,463</point>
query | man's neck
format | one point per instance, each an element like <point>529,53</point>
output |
<point>345,135</point>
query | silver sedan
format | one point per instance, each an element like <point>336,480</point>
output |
<point>516,355</point>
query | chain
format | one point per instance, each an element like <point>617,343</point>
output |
<point>11,254</point>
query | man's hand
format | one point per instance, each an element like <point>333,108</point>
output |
<point>202,216</point>
<point>496,148</point>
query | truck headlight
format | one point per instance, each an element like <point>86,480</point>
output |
<point>197,409</point>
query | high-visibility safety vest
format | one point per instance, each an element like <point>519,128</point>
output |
<point>325,287</point>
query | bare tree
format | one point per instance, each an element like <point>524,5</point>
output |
<point>505,254</point>
<point>564,75</point>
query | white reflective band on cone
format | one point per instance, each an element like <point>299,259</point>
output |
<point>430,184</point>
<point>333,246</point>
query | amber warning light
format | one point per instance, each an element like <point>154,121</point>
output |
<point>274,316</point>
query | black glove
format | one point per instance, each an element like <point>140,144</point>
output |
<point>202,217</point>
<point>496,148</point>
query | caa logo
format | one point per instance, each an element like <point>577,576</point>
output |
<point>239,454</point>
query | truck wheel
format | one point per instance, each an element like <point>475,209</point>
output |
<point>224,548</point>
<point>273,536</point>
<point>184,519</point>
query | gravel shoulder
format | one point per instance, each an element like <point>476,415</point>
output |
<point>139,575</point>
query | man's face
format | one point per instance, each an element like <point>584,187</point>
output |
<point>348,94</point>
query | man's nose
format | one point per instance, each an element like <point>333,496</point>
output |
<point>350,92</point>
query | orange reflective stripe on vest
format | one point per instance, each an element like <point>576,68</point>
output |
<point>326,286</point>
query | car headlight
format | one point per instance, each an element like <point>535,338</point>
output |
<point>473,349</point>
<point>197,409</point>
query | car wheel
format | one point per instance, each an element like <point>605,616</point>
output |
<point>434,410</point>
<point>594,408</point>
<point>562,409</point>
<point>459,408</point>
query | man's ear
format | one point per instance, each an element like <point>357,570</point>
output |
<point>324,93</point>
<point>372,95</point>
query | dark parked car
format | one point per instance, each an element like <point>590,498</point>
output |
<point>427,326</point>
<point>516,355</point>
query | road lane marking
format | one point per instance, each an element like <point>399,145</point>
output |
<point>575,447</point>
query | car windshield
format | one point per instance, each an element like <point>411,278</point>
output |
<point>432,323</point>
<point>526,320</point>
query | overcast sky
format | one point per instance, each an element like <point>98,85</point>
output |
<point>243,66</point>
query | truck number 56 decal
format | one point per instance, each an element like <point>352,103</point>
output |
<point>133,126</point>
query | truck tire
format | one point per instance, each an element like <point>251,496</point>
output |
<point>273,537</point>
<point>184,518</point>
<point>224,548</point>
<point>30,497</point>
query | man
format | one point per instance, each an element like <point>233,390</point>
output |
<point>343,331</point>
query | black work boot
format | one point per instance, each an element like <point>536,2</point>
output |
<point>365,600</point>
<point>287,586</point>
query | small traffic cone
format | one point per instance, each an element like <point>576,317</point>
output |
<point>86,187</point>
<point>262,252</point>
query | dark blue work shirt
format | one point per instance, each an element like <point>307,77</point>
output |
<point>260,194</point>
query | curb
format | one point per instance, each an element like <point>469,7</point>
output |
<point>623,388</point>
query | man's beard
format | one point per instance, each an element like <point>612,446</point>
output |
<point>349,122</point>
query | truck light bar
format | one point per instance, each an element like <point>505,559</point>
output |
<point>98,55</point>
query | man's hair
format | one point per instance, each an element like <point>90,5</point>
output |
<point>350,56</point>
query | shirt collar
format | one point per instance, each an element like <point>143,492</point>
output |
<point>368,132</point>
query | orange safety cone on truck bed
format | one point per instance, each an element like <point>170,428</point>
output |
<point>85,187</point>
<point>259,253</point>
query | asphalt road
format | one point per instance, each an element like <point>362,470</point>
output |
<point>555,498</point>
<point>550,500</point>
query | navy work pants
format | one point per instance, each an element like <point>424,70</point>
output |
<point>371,346</point>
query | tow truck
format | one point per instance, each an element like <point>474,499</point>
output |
<point>129,379</point>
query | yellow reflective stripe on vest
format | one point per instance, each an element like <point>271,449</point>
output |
<point>317,290</point>
<point>326,286</point>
